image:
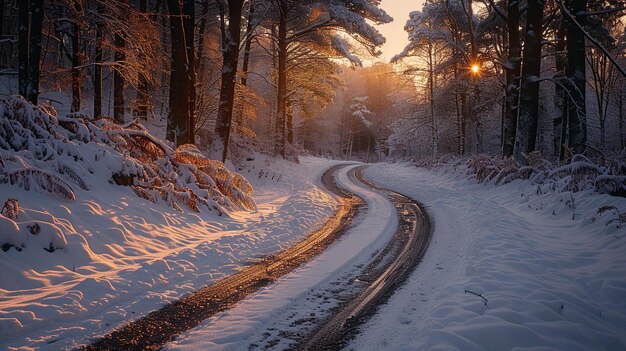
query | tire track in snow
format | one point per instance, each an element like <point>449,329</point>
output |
<point>406,249</point>
<point>161,326</point>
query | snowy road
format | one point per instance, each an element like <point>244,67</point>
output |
<point>280,315</point>
<point>399,258</point>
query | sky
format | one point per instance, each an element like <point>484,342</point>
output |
<point>394,31</point>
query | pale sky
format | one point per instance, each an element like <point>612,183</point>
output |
<point>394,31</point>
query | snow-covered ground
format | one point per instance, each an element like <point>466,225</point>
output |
<point>552,272</point>
<point>126,256</point>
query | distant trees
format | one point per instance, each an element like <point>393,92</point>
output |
<point>568,45</point>
<point>264,70</point>
<point>105,50</point>
<point>316,37</point>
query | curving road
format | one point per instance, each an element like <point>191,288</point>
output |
<point>385,273</point>
<point>402,253</point>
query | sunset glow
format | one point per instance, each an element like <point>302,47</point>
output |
<point>475,68</point>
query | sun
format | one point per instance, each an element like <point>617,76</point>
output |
<point>475,68</point>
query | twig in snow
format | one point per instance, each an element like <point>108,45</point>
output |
<point>477,294</point>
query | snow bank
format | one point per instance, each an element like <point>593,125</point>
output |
<point>54,154</point>
<point>607,176</point>
<point>118,255</point>
<point>550,268</point>
<point>64,156</point>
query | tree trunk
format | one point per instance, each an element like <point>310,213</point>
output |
<point>246,52</point>
<point>621,119</point>
<point>230,48</point>
<point>459,117</point>
<point>76,57</point>
<point>201,31</point>
<point>281,93</point>
<point>97,79</point>
<point>463,121</point>
<point>189,21</point>
<point>246,49</point>
<point>513,70</point>
<point>477,117</point>
<point>431,97</point>
<point>2,7</point>
<point>118,80</point>
<point>560,121</point>
<point>245,66</point>
<point>179,122</point>
<point>289,121</point>
<point>369,146</point>
<point>199,65</point>
<point>23,43</point>
<point>143,99</point>
<point>576,110</point>
<point>34,50</point>
<point>528,119</point>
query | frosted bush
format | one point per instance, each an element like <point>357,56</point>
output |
<point>606,175</point>
<point>42,152</point>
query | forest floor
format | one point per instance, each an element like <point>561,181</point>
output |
<point>550,270</point>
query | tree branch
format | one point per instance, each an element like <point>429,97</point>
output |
<point>498,10</point>
<point>592,39</point>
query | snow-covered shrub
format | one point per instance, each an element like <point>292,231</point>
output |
<point>11,208</point>
<point>580,173</point>
<point>42,152</point>
<point>30,233</point>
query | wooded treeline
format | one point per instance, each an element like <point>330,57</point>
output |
<point>548,76</point>
<point>504,77</point>
<point>212,67</point>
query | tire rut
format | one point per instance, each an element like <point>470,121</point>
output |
<point>159,327</point>
<point>401,256</point>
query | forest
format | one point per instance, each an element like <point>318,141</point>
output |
<point>286,77</point>
<point>312,175</point>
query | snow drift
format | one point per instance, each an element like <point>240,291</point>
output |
<point>45,153</point>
